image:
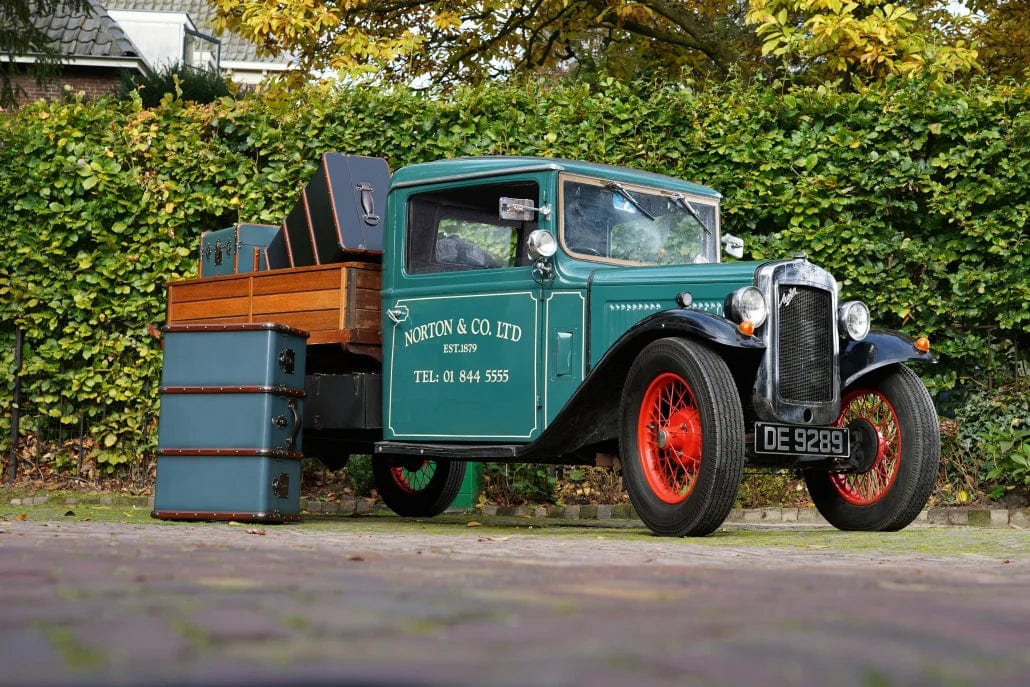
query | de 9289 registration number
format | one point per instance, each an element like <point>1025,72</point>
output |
<point>792,440</point>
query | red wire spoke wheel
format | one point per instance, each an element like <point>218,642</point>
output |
<point>413,479</point>
<point>681,438</point>
<point>869,487</point>
<point>416,488</point>
<point>669,438</point>
<point>900,450</point>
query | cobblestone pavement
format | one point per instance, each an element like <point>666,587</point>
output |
<point>379,601</point>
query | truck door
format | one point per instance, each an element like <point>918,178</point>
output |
<point>462,320</point>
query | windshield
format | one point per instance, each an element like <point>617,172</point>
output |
<point>625,223</point>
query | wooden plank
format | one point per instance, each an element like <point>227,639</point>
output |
<point>302,300</point>
<point>219,287</point>
<point>310,321</point>
<point>336,304</point>
<point>192,311</point>
<point>307,279</point>
<point>367,336</point>
<point>365,319</point>
<point>366,299</point>
<point>368,278</point>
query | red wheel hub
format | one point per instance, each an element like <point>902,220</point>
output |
<point>413,478</point>
<point>866,488</point>
<point>669,438</point>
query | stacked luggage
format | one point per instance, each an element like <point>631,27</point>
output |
<point>229,436</point>
<point>338,217</point>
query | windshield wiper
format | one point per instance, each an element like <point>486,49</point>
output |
<point>685,204</point>
<point>616,186</point>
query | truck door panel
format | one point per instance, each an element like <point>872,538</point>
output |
<point>464,339</point>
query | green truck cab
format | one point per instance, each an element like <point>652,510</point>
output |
<point>550,311</point>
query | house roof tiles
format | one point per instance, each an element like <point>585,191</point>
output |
<point>94,36</point>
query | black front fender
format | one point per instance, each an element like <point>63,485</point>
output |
<point>591,414</point>
<point>692,324</point>
<point>878,350</point>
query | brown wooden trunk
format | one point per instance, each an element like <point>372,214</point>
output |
<point>336,304</point>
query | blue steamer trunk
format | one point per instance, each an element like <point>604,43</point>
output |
<point>259,417</point>
<point>193,486</point>
<point>211,355</point>
<point>229,436</point>
<point>242,248</point>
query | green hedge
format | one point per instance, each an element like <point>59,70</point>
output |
<point>917,196</point>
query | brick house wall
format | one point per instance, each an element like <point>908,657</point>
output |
<point>94,81</point>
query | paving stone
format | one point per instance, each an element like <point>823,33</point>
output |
<point>810,515</point>
<point>736,515</point>
<point>789,514</point>
<point>604,512</point>
<point>363,507</point>
<point>540,512</point>
<point>624,510</point>
<point>588,512</point>
<point>958,516</point>
<point>772,515</point>
<point>937,516</point>
<point>572,512</point>
<point>978,517</point>
<point>1019,518</point>
<point>752,515</point>
<point>999,517</point>
<point>489,509</point>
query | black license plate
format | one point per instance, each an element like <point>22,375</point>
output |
<point>794,440</point>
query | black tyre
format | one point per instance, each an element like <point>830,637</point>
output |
<point>681,438</point>
<point>896,409</point>
<point>417,488</point>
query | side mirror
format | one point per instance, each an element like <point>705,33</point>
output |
<point>522,209</point>
<point>734,246</point>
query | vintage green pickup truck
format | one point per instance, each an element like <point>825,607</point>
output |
<point>549,311</point>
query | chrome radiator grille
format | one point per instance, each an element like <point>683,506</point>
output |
<point>805,348</point>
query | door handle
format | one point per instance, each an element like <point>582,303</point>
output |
<point>398,314</point>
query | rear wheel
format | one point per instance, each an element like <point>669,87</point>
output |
<point>414,487</point>
<point>681,438</point>
<point>895,411</point>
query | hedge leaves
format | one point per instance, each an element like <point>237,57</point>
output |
<point>917,196</point>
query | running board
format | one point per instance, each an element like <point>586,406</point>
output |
<point>493,452</point>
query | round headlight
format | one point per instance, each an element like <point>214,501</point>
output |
<point>541,244</point>
<point>854,320</point>
<point>749,304</point>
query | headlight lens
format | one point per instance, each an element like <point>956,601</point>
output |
<point>854,320</point>
<point>749,304</point>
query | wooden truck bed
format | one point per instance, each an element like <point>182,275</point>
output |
<point>336,303</point>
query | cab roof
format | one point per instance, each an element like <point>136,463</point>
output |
<point>462,168</point>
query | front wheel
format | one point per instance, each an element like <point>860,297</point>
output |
<point>417,488</point>
<point>681,438</point>
<point>895,411</point>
